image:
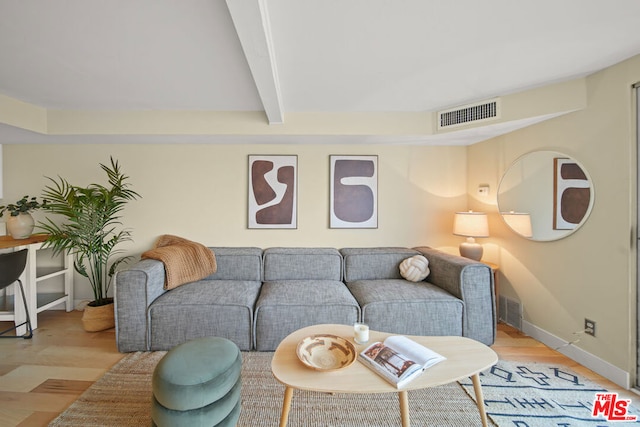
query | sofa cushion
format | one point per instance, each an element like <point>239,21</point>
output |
<point>237,264</point>
<point>302,263</point>
<point>403,307</point>
<point>374,263</point>
<point>287,305</point>
<point>222,308</point>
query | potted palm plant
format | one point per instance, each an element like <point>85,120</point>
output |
<point>90,230</point>
<point>20,223</point>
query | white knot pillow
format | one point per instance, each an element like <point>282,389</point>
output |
<point>415,269</point>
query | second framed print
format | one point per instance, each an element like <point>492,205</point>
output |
<point>571,194</point>
<point>273,186</point>
<point>353,192</point>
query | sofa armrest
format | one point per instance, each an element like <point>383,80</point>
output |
<point>473,283</point>
<point>134,290</point>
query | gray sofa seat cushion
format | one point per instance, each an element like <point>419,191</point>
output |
<point>374,263</point>
<point>403,307</point>
<point>222,308</point>
<point>302,263</point>
<point>285,306</point>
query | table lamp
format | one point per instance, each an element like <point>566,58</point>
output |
<point>519,222</point>
<point>471,224</point>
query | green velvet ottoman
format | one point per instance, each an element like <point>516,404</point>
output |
<point>198,384</point>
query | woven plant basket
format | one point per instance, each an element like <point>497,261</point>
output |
<point>100,318</point>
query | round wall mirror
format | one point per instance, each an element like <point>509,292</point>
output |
<point>545,195</point>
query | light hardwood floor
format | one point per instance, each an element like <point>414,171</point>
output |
<point>40,377</point>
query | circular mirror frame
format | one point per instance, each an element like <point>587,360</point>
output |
<point>522,173</point>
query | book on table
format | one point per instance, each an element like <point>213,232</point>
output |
<point>399,359</point>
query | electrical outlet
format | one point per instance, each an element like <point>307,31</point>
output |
<point>590,327</point>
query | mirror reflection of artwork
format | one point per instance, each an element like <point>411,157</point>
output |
<point>527,187</point>
<point>272,191</point>
<point>572,193</point>
<point>354,192</point>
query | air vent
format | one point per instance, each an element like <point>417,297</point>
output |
<point>472,113</point>
<point>510,312</point>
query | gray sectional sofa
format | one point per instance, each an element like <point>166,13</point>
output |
<point>257,297</point>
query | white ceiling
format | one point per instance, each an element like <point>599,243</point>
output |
<point>290,56</point>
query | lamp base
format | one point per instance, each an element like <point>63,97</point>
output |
<point>470,249</point>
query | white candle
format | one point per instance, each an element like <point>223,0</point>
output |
<point>361,332</point>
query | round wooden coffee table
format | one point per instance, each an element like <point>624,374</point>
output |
<point>465,358</point>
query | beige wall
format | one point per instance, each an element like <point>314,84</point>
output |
<point>590,273</point>
<point>200,191</point>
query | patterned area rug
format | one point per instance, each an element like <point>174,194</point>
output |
<point>122,397</point>
<point>539,395</point>
<point>516,395</point>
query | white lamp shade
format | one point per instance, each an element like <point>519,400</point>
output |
<point>471,224</point>
<point>519,222</point>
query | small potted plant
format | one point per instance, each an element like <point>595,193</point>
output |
<point>20,223</point>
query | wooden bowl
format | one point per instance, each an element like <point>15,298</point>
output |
<point>326,352</point>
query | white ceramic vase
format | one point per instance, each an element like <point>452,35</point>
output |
<point>20,226</point>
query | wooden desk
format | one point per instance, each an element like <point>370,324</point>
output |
<point>8,242</point>
<point>32,275</point>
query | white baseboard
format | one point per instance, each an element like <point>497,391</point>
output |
<point>597,365</point>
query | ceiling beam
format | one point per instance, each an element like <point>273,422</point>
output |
<point>251,20</point>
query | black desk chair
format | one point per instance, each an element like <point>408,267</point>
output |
<point>12,265</point>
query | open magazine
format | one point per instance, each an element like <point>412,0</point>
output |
<point>399,359</point>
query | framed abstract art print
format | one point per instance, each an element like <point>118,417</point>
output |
<point>353,192</point>
<point>273,186</point>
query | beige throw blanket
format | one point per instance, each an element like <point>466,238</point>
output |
<point>184,261</point>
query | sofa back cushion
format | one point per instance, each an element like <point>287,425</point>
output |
<point>237,264</point>
<point>374,263</point>
<point>302,264</point>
